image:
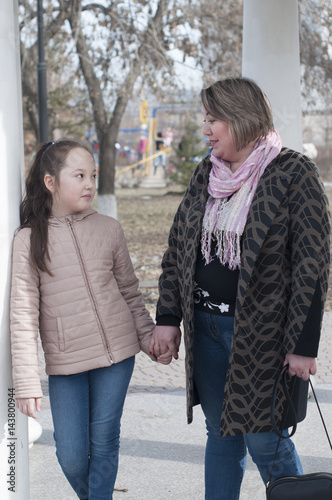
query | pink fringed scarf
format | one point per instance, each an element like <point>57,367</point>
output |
<point>224,219</point>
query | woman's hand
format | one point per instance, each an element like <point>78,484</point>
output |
<point>27,406</point>
<point>301,366</point>
<point>165,341</point>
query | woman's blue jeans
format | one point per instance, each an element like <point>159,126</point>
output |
<point>86,411</point>
<point>225,457</point>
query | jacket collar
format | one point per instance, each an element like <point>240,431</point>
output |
<point>57,221</point>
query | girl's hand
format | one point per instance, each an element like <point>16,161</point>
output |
<point>165,359</point>
<point>27,406</point>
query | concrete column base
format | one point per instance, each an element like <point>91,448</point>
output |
<point>154,180</point>
<point>35,431</point>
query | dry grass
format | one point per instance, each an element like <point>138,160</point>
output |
<point>146,217</point>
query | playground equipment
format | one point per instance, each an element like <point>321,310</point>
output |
<point>145,161</point>
<point>151,152</point>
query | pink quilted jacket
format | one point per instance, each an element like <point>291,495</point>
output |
<point>90,313</point>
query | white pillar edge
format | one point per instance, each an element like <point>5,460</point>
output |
<point>271,57</point>
<point>14,455</point>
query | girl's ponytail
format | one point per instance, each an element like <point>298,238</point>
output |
<point>35,211</point>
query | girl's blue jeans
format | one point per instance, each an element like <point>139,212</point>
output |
<point>225,457</point>
<point>86,411</point>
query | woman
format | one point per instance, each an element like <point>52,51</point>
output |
<point>246,271</point>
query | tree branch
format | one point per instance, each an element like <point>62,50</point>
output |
<point>87,64</point>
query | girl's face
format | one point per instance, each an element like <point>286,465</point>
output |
<point>222,143</point>
<point>76,186</point>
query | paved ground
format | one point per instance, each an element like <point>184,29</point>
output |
<point>161,457</point>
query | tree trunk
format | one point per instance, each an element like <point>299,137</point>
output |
<point>107,160</point>
<point>107,131</point>
<point>107,137</point>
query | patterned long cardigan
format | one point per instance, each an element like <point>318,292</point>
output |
<point>283,277</point>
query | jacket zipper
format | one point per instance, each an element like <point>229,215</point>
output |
<point>87,284</point>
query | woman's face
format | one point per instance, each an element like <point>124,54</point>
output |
<point>222,143</point>
<point>220,138</point>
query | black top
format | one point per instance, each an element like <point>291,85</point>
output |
<point>215,285</point>
<point>215,288</point>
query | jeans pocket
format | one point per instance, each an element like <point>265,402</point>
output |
<point>61,335</point>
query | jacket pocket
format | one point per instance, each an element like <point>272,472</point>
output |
<point>61,336</point>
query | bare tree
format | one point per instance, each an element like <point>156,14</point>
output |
<point>316,53</point>
<point>120,47</point>
<point>221,26</point>
<point>60,72</point>
<point>101,54</point>
<point>221,23</point>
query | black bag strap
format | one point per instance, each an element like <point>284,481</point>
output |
<point>321,415</point>
<point>283,378</point>
<point>282,375</point>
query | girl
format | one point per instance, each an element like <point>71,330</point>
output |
<point>73,280</point>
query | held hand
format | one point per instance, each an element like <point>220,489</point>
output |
<point>27,406</point>
<point>165,359</point>
<point>165,339</point>
<point>301,366</point>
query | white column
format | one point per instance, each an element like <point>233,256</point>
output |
<point>14,464</point>
<point>271,57</point>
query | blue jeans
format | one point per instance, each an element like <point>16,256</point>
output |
<point>86,411</point>
<point>225,457</point>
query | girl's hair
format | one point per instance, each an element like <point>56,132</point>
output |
<point>36,206</point>
<point>243,105</point>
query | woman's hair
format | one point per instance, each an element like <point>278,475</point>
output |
<point>242,104</point>
<point>36,206</point>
